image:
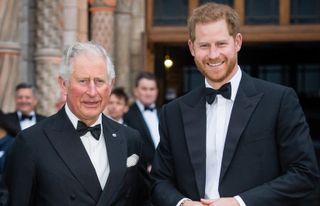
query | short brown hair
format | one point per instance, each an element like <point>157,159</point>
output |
<point>211,12</point>
<point>121,94</point>
<point>145,75</point>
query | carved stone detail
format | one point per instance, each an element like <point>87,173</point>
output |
<point>49,15</point>
<point>48,54</point>
<point>9,52</point>
<point>102,29</point>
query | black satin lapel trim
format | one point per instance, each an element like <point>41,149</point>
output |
<point>241,113</point>
<point>16,123</point>
<point>71,150</point>
<point>194,120</point>
<point>143,124</point>
<point>117,156</point>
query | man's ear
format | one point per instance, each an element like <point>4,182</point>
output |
<point>62,84</point>
<point>35,101</point>
<point>113,82</point>
<point>111,86</point>
<point>238,41</point>
<point>190,44</point>
<point>126,109</point>
<point>135,92</point>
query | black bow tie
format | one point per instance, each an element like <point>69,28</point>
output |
<point>24,117</point>
<point>225,91</point>
<point>146,108</point>
<point>95,131</point>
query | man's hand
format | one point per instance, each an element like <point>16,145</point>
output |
<point>229,201</point>
<point>192,203</point>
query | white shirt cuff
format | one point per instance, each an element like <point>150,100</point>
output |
<point>183,199</point>
<point>240,201</point>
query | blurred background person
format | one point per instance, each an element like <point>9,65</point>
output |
<point>25,114</point>
<point>143,115</point>
<point>117,105</point>
<point>6,141</point>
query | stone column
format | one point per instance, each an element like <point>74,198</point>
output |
<point>137,53</point>
<point>9,52</point>
<point>123,31</point>
<point>102,23</point>
<point>48,53</point>
<point>75,21</point>
<point>27,40</point>
<point>9,75</point>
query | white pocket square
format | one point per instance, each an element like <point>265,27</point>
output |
<point>132,160</point>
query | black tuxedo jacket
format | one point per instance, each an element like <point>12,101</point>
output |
<point>48,165</point>
<point>13,123</point>
<point>268,155</point>
<point>134,118</point>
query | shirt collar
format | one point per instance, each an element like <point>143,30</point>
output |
<point>234,81</point>
<point>74,119</point>
<point>32,113</point>
<point>121,121</point>
<point>141,106</point>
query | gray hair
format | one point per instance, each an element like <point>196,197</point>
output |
<point>79,48</point>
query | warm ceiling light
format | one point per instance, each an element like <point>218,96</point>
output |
<point>167,62</point>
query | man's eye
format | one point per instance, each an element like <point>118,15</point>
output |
<point>99,82</point>
<point>82,81</point>
<point>222,44</point>
<point>203,46</point>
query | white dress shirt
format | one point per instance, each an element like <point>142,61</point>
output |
<point>24,124</point>
<point>96,149</point>
<point>120,121</point>
<point>218,117</point>
<point>152,121</point>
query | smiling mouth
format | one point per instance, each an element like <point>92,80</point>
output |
<point>91,104</point>
<point>215,64</point>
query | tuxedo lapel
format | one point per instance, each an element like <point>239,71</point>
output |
<point>15,122</point>
<point>194,120</point>
<point>117,156</point>
<point>68,144</point>
<point>246,101</point>
<point>144,125</point>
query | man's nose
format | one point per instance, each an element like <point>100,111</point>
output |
<point>92,90</point>
<point>213,52</point>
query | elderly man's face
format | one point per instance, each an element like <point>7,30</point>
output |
<point>88,88</point>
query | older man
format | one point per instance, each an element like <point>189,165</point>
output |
<point>78,156</point>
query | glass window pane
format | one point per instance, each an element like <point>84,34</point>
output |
<point>261,12</point>
<point>168,12</point>
<point>308,79</point>
<point>192,78</point>
<point>305,11</point>
<point>228,2</point>
<point>272,73</point>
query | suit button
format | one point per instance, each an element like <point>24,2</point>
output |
<point>72,197</point>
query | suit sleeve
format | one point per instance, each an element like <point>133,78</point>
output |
<point>19,174</point>
<point>164,192</point>
<point>296,156</point>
